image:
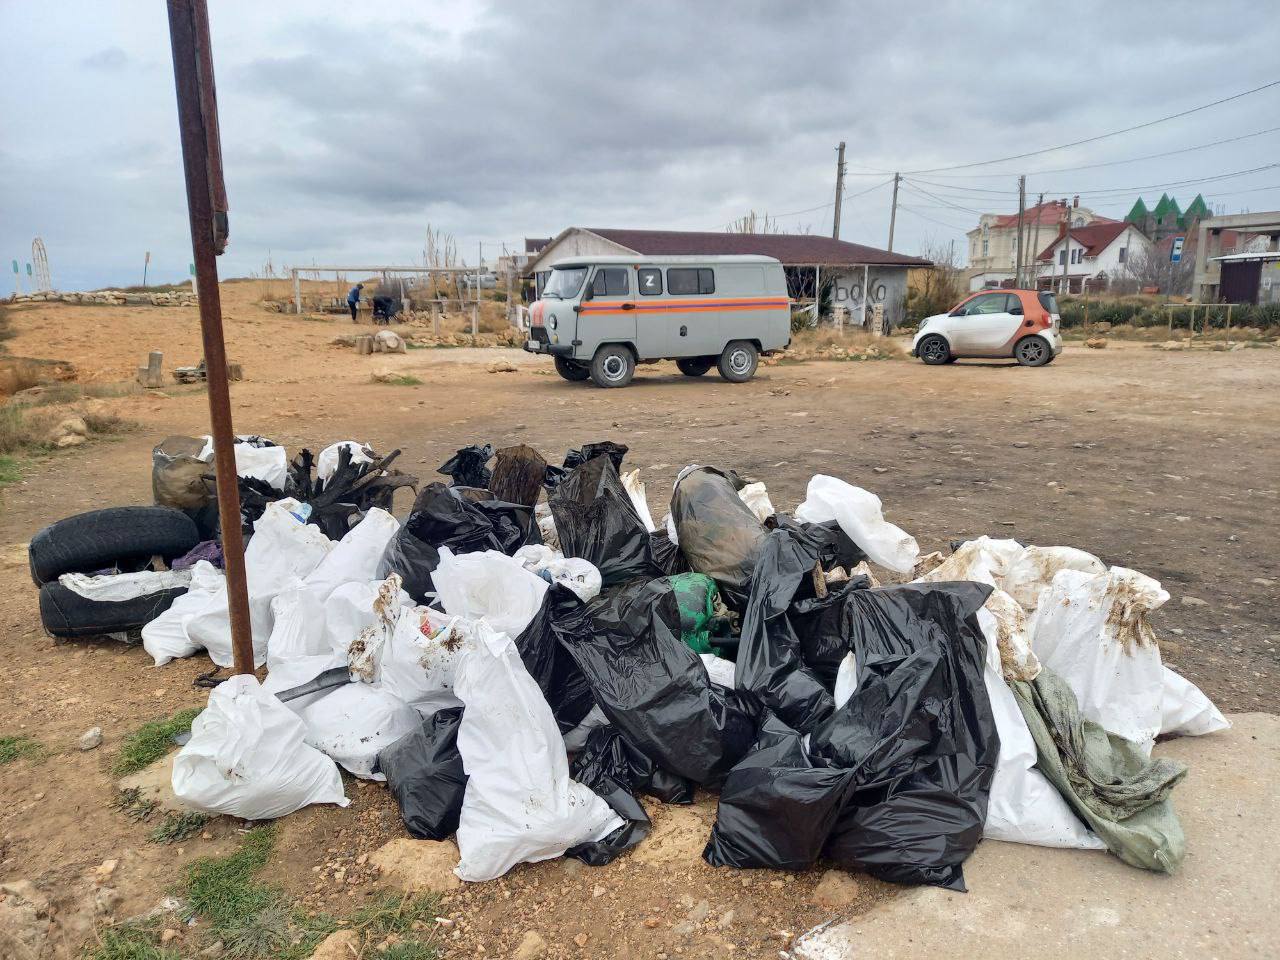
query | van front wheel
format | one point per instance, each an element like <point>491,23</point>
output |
<point>572,370</point>
<point>738,362</point>
<point>612,366</point>
<point>694,366</point>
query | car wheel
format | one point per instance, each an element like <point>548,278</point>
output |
<point>1033,351</point>
<point>694,366</point>
<point>934,350</point>
<point>612,366</point>
<point>952,359</point>
<point>738,362</point>
<point>572,370</point>
<point>114,537</point>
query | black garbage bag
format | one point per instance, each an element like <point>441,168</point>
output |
<point>836,549</point>
<point>607,754</point>
<point>896,781</point>
<point>768,658</point>
<point>467,467</point>
<point>820,625</point>
<point>424,773</point>
<point>609,782</point>
<point>654,688</point>
<point>450,517</point>
<point>578,456</point>
<point>718,533</point>
<point>596,521</point>
<point>666,555</point>
<point>550,664</point>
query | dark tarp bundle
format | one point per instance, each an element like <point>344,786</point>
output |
<point>896,781</point>
<point>450,517</point>
<point>466,468</point>
<point>1122,794</point>
<point>768,660</point>
<point>596,521</point>
<point>653,688</point>
<point>424,773</point>
<point>550,664</point>
<point>718,533</point>
<point>580,455</point>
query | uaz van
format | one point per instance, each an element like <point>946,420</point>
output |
<point>600,316</point>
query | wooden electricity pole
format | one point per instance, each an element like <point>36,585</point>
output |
<point>1022,216</point>
<point>835,217</point>
<point>1035,243</point>
<point>893,211</point>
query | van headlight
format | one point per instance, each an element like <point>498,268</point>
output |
<point>552,322</point>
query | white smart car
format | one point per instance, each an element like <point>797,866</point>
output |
<point>1020,324</point>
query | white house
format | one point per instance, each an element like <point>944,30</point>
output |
<point>1096,254</point>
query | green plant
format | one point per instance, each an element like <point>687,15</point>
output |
<point>401,380</point>
<point>408,950</point>
<point>10,472</point>
<point>222,889</point>
<point>150,742</point>
<point>20,748</point>
<point>130,941</point>
<point>178,825</point>
<point>134,805</point>
<point>394,913</point>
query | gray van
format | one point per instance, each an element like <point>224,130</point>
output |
<point>600,316</point>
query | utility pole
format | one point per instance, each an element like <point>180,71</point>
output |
<point>835,217</point>
<point>1066,247</point>
<point>893,210</point>
<point>1035,244</point>
<point>1022,216</point>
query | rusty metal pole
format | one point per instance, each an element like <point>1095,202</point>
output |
<point>207,206</point>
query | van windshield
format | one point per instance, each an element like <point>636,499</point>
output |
<point>564,282</point>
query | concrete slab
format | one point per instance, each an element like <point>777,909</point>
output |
<point>1032,902</point>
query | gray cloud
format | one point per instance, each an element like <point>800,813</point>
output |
<point>110,59</point>
<point>347,129</point>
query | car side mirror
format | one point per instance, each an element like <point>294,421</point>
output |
<point>590,292</point>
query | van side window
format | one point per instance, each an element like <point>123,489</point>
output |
<point>610,282</point>
<point>682,281</point>
<point>649,281</point>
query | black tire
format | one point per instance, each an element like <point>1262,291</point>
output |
<point>115,537</point>
<point>694,366</point>
<point>934,350</point>
<point>738,362</point>
<point>1033,351</point>
<point>572,370</point>
<point>69,616</point>
<point>612,366</point>
<point>952,359</point>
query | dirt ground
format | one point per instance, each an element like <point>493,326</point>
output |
<point>1161,461</point>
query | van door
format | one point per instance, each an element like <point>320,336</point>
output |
<point>651,313</point>
<point>695,319</point>
<point>607,311</point>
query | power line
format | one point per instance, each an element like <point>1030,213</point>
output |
<point>955,206</point>
<point>832,203</point>
<point>941,223</point>
<point>1101,136</point>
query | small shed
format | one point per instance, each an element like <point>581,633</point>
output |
<point>848,277</point>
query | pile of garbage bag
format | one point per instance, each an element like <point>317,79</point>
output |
<point>521,671</point>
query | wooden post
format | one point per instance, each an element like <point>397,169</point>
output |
<point>866,283</point>
<point>1229,306</point>
<point>1191,324</point>
<point>152,376</point>
<point>297,291</point>
<point>817,294</point>
<point>1169,308</point>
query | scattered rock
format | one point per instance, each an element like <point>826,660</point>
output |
<point>90,738</point>
<point>835,890</point>
<point>418,866</point>
<point>1194,602</point>
<point>1264,582</point>
<point>725,920</point>
<point>168,935</point>
<point>1096,343</point>
<point>339,945</point>
<point>105,900</point>
<point>24,928</point>
<point>1173,345</point>
<point>531,945</point>
<point>68,440</point>
<point>502,366</point>
<point>581,940</point>
<point>700,911</point>
<point>1021,444</point>
<point>105,869</point>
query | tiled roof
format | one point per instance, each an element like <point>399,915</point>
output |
<point>790,248</point>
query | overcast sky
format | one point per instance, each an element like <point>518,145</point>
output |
<point>347,127</point>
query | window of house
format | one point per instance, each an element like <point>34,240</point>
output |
<point>649,281</point>
<point>685,281</point>
<point>611,282</point>
<point>1062,258</point>
<point>1123,254</point>
<point>986,246</point>
<point>1077,255</point>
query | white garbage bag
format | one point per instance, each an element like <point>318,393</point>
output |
<point>356,556</point>
<point>246,758</point>
<point>1024,807</point>
<point>268,464</point>
<point>1092,631</point>
<point>520,805</point>
<point>1185,711</point>
<point>983,560</point>
<point>282,550</point>
<point>859,514</point>
<point>489,585</point>
<point>720,670</point>
<point>547,525</point>
<point>634,486</point>
<point>580,576</point>
<point>294,671</point>
<point>1033,568</point>
<point>420,656</point>
<point>755,496</point>
<point>297,650</point>
<point>354,722</point>
<point>165,637</point>
<point>327,459</point>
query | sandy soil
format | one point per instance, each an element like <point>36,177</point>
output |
<point>1164,462</point>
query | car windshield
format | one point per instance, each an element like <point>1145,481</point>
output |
<point>564,282</point>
